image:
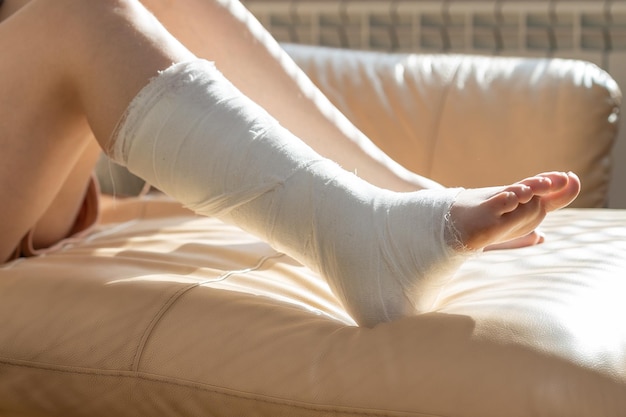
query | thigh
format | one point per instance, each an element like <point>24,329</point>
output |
<point>66,213</point>
<point>45,137</point>
<point>53,80</point>
<point>226,32</point>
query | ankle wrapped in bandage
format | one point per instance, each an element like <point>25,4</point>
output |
<point>194,136</point>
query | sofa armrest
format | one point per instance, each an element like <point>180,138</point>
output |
<point>474,121</point>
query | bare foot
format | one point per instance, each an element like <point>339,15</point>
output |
<point>508,216</point>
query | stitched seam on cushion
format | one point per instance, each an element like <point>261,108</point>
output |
<point>208,388</point>
<point>177,296</point>
<point>155,320</point>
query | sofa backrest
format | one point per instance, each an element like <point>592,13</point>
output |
<point>589,30</point>
<point>474,121</point>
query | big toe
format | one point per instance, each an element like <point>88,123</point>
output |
<point>564,195</point>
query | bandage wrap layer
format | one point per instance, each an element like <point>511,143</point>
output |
<point>193,135</point>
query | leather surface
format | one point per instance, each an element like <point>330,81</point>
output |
<point>162,313</point>
<point>171,314</point>
<point>476,121</point>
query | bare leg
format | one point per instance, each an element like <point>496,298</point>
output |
<point>201,24</point>
<point>218,30</point>
<point>59,219</point>
<point>38,158</point>
<point>222,29</point>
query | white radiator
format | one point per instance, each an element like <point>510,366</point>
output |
<point>590,30</point>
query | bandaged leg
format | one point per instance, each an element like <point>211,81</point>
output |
<point>194,136</point>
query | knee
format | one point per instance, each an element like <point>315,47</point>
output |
<point>10,7</point>
<point>91,16</point>
<point>92,25</point>
<point>74,15</point>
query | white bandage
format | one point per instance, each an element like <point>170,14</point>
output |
<point>193,135</point>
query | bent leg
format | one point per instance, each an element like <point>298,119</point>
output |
<point>44,137</point>
<point>93,69</point>
<point>224,31</point>
<point>59,220</point>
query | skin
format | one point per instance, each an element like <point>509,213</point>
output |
<point>511,214</point>
<point>109,49</point>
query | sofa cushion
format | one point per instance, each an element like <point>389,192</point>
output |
<point>163,313</point>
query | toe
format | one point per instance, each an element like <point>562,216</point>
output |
<point>563,196</point>
<point>523,192</point>
<point>504,202</point>
<point>556,180</point>
<point>547,182</point>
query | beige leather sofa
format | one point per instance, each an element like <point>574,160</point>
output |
<point>161,313</point>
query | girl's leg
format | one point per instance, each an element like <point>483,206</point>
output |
<point>60,218</point>
<point>33,169</point>
<point>47,80</point>
<point>224,31</point>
